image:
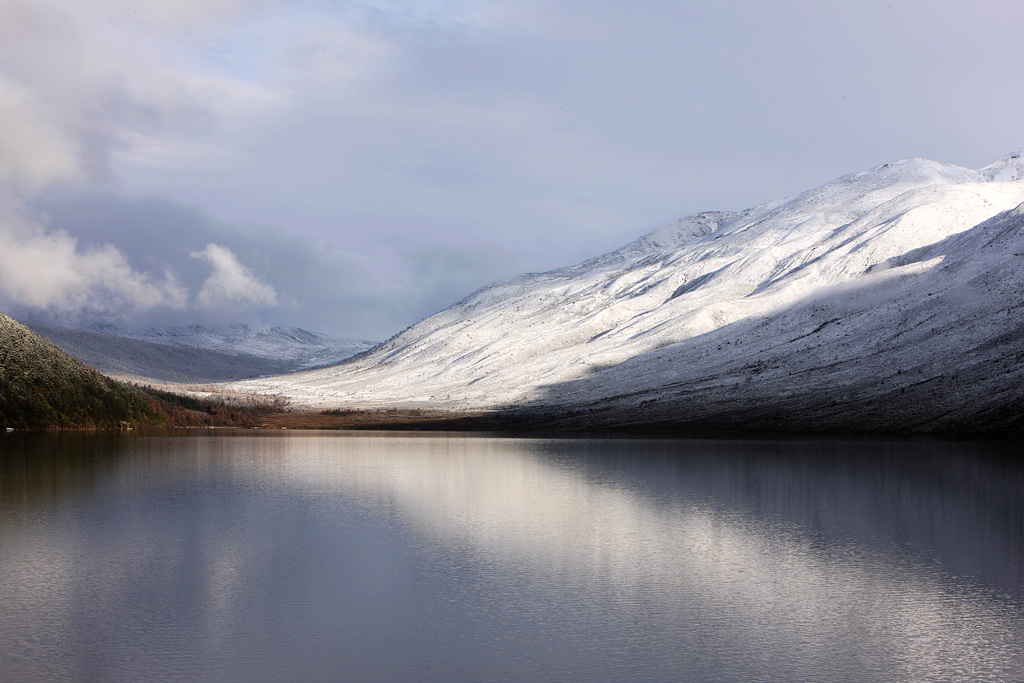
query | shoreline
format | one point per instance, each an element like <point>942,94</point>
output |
<point>382,418</point>
<point>513,422</point>
<point>523,422</point>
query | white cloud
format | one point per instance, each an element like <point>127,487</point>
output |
<point>80,83</point>
<point>35,148</point>
<point>231,282</point>
<point>48,270</point>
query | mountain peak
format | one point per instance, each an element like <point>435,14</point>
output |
<point>1008,168</point>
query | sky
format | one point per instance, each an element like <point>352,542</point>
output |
<point>353,166</point>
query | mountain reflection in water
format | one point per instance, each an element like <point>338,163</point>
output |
<point>466,557</point>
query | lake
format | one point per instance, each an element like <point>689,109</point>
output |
<point>387,556</point>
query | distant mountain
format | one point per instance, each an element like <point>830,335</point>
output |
<point>886,300</point>
<point>299,348</point>
<point>200,354</point>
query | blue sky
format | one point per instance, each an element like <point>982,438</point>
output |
<point>353,166</point>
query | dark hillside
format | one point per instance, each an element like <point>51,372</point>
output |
<point>41,386</point>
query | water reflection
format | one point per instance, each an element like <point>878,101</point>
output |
<point>398,557</point>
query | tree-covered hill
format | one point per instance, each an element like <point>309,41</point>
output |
<point>43,387</point>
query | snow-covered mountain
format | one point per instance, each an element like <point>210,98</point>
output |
<point>302,348</point>
<point>199,354</point>
<point>886,299</point>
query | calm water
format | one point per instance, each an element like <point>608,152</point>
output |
<point>391,557</point>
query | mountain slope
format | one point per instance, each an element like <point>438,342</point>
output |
<point>884,300</point>
<point>41,386</point>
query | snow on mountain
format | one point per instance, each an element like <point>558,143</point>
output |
<point>885,299</point>
<point>293,345</point>
<point>198,354</point>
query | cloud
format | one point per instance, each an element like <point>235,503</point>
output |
<point>81,83</point>
<point>174,15</point>
<point>34,149</point>
<point>231,282</point>
<point>78,86</point>
<point>49,270</point>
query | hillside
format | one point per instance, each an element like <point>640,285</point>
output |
<point>41,386</point>
<point>886,300</point>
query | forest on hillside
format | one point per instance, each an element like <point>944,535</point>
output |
<point>42,387</point>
